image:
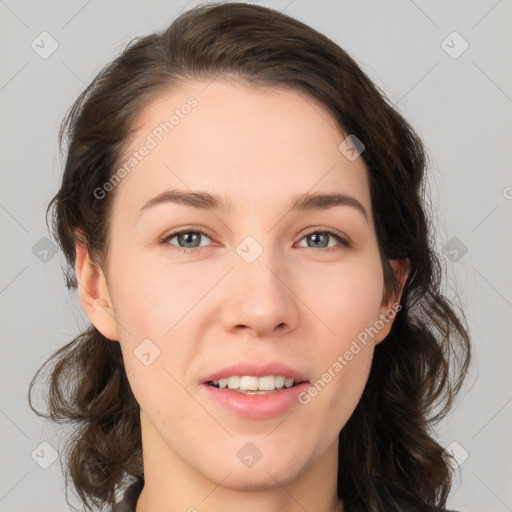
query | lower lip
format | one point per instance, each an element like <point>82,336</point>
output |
<point>256,407</point>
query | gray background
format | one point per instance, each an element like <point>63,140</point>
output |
<point>460,107</point>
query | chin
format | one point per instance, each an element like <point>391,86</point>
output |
<point>268,468</point>
<point>260,477</point>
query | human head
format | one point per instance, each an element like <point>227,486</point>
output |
<point>262,50</point>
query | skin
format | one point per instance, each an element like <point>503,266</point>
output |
<point>296,303</point>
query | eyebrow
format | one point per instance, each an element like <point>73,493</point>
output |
<point>302,202</point>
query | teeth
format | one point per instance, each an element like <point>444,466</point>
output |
<point>233,382</point>
<point>288,383</point>
<point>280,380</point>
<point>251,383</point>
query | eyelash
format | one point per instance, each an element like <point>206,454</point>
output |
<point>337,236</point>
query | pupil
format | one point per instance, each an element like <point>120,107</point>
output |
<point>316,235</point>
<point>186,236</point>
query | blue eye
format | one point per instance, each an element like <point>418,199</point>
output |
<point>191,238</point>
<point>323,235</point>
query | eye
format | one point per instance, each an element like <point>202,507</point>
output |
<point>321,238</point>
<point>189,238</point>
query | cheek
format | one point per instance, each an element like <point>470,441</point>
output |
<point>150,298</point>
<point>348,377</point>
<point>158,307</point>
<point>347,302</point>
<point>347,298</point>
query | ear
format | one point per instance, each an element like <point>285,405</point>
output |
<point>389,309</point>
<point>94,294</point>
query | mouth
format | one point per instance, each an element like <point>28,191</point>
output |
<point>255,403</point>
<point>253,385</point>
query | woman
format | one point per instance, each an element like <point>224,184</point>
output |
<point>242,212</point>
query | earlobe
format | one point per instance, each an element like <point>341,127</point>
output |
<point>401,269</point>
<point>94,294</point>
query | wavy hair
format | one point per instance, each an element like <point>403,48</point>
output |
<point>386,448</point>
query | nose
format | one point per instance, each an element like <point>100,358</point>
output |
<point>259,298</point>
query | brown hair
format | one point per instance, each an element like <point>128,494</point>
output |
<point>385,448</point>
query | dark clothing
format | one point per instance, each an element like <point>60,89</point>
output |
<point>131,495</point>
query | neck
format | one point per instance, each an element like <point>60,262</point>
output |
<point>172,484</point>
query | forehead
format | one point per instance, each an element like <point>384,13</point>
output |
<point>255,146</point>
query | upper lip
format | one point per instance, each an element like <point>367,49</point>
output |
<point>257,370</point>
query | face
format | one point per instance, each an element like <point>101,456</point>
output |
<point>251,281</point>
